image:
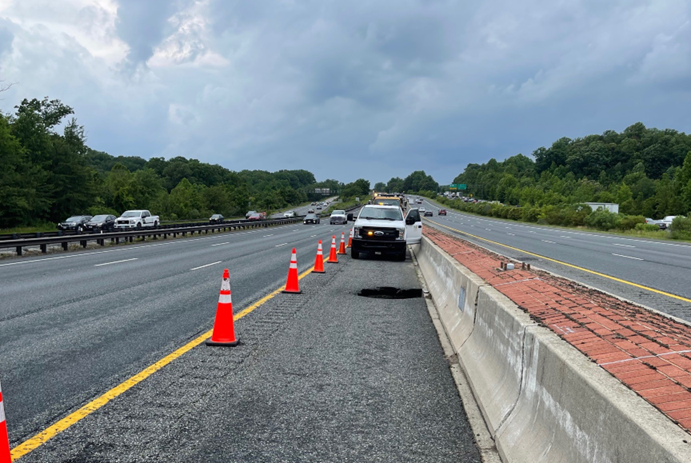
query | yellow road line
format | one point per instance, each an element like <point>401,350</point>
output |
<point>55,429</point>
<point>593,272</point>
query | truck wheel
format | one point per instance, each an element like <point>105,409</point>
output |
<point>354,254</point>
<point>139,226</point>
<point>156,224</point>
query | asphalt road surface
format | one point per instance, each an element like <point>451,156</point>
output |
<point>663,266</point>
<point>74,324</point>
<point>322,376</point>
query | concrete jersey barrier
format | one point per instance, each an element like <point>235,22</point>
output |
<point>542,399</point>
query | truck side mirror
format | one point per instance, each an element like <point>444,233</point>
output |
<point>350,216</point>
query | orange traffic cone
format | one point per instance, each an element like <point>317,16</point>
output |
<point>224,329</point>
<point>292,285</point>
<point>333,258</point>
<point>341,248</point>
<point>350,239</point>
<point>5,456</point>
<point>319,263</point>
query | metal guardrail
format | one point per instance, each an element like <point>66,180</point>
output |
<point>160,232</point>
<point>163,226</point>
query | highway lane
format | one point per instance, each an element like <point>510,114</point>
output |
<point>659,265</point>
<point>302,210</point>
<point>74,324</point>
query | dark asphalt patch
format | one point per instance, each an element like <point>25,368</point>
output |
<point>389,292</point>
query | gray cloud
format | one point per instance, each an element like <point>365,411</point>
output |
<point>350,89</point>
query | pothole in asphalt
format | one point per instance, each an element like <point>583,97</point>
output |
<point>389,292</point>
<point>526,259</point>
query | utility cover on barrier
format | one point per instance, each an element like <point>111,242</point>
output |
<point>461,299</point>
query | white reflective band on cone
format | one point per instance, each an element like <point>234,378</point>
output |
<point>225,285</point>
<point>225,299</point>
<point>294,265</point>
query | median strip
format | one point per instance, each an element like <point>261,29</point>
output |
<point>646,351</point>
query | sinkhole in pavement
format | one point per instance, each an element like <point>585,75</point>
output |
<point>389,292</point>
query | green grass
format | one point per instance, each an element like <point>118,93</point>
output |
<point>45,227</point>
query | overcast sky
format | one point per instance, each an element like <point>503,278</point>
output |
<point>349,88</point>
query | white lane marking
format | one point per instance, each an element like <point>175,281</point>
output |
<point>266,236</point>
<point>313,236</point>
<point>626,257</point>
<point>532,232</point>
<point>565,237</point>
<point>512,234</point>
<point>625,245</point>
<point>282,244</point>
<point>116,262</point>
<point>488,229</point>
<point>548,241</point>
<point>220,244</point>
<point>207,265</point>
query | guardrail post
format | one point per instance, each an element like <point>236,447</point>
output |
<point>100,241</point>
<point>43,249</point>
<point>83,243</point>
<point>131,238</point>
<point>64,245</point>
<point>19,250</point>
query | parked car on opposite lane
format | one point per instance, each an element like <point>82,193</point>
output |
<point>216,218</point>
<point>659,223</point>
<point>75,223</point>
<point>338,217</point>
<point>137,218</point>
<point>101,223</point>
<point>311,219</point>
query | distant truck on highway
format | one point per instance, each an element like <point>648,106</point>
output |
<point>137,219</point>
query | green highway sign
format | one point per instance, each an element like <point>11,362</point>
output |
<point>457,186</point>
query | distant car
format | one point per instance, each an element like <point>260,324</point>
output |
<point>319,208</point>
<point>247,216</point>
<point>256,216</point>
<point>422,209</point>
<point>76,223</point>
<point>137,218</point>
<point>667,221</point>
<point>659,223</point>
<point>311,218</point>
<point>289,214</point>
<point>101,223</point>
<point>429,214</point>
<point>313,204</point>
<point>338,217</point>
<point>216,218</point>
<point>311,211</point>
<point>441,212</point>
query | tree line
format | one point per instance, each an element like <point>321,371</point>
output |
<point>646,171</point>
<point>47,176</point>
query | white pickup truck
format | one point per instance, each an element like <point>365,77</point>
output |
<point>136,219</point>
<point>385,230</point>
